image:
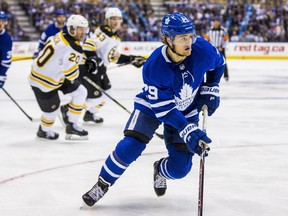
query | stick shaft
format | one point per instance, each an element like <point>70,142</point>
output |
<point>202,164</point>
<point>29,117</point>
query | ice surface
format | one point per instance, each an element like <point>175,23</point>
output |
<point>246,171</point>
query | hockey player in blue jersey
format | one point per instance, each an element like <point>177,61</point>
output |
<point>5,48</point>
<point>179,78</point>
<point>52,29</point>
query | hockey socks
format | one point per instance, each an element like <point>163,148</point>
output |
<point>127,151</point>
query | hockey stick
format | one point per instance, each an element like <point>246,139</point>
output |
<point>202,163</point>
<point>124,64</point>
<point>91,82</point>
<point>29,117</point>
<point>118,65</point>
<point>19,58</point>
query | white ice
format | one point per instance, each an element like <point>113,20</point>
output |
<point>246,173</point>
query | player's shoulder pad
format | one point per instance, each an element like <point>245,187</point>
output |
<point>203,48</point>
<point>90,45</point>
<point>6,41</point>
<point>72,42</point>
<point>107,30</point>
<point>157,70</point>
<point>50,27</point>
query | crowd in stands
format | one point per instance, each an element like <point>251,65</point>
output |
<point>12,26</point>
<point>244,22</point>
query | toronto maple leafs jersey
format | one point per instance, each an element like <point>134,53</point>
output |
<point>105,43</point>
<point>57,61</point>
<point>5,52</point>
<point>171,90</point>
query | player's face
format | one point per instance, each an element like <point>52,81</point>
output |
<point>61,19</point>
<point>80,33</point>
<point>2,24</point>
<point>115,23</point>
<point>182,44</point>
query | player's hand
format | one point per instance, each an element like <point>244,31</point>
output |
<point>2,81</point>
<point>93,63</point>
<point>209,95</point>
<point>35,54</point>
<point>137,61</point>
<point>193,137</point>
<point>220,49</point>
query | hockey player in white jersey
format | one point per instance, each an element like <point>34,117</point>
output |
<point>104,44</point>
<point>179,78</point>
<point>56,69</point>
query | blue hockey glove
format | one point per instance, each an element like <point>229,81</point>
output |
<point>192,136</point>
<point>209,95</point>
<point>35,54</point>
<point>93,63</point>
<point>2,81</point>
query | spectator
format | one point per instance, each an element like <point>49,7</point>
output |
<point>53,29</point>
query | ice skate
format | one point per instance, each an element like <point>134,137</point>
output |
<point>50,135</point>
<point>160,185</point>
<point>89,117</point>
<point>74,132</point>
<point>96,193</point>
<point>64,111</point>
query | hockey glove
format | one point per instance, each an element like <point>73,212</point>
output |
<point>209,95</point>
<point>192,136</point>
<point>35,54</point>
<point>93,63</point>
<point>2,81</point>
<point>138,61</point>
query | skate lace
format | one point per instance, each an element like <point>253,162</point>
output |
<point>96,193</point>
<point>96,118</point>
<point>77,128</point>
<point>160,182</point>
<point>50,133</point>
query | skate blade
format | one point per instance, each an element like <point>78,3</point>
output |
<point>75,137</point>
<point>45,139</point>
<point>91,123</point>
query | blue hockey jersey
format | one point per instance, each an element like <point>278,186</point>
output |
<point>171,90</point>
<point>51,30</point>
<point>5,52</point>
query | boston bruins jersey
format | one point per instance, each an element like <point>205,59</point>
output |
<point>57,61</point>
<point>105,43</point>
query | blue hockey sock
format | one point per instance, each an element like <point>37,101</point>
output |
<point>126,151</point>
<point>177,165</point>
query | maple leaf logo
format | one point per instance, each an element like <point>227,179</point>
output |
<point>186,97</point>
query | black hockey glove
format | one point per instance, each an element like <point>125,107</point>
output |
<point>209,95</point>
<point>93,63</point>
<point>138,61</point>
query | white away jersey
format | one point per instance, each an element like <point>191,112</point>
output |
<point>105,43</point>
<point>57,61</point>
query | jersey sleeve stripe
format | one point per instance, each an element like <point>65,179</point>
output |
<point>142,102</point>
<point>161,114</point>
<point>162,103</point>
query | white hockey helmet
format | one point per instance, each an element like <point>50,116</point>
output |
<point>113,12</point>
<point>75,21</point>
